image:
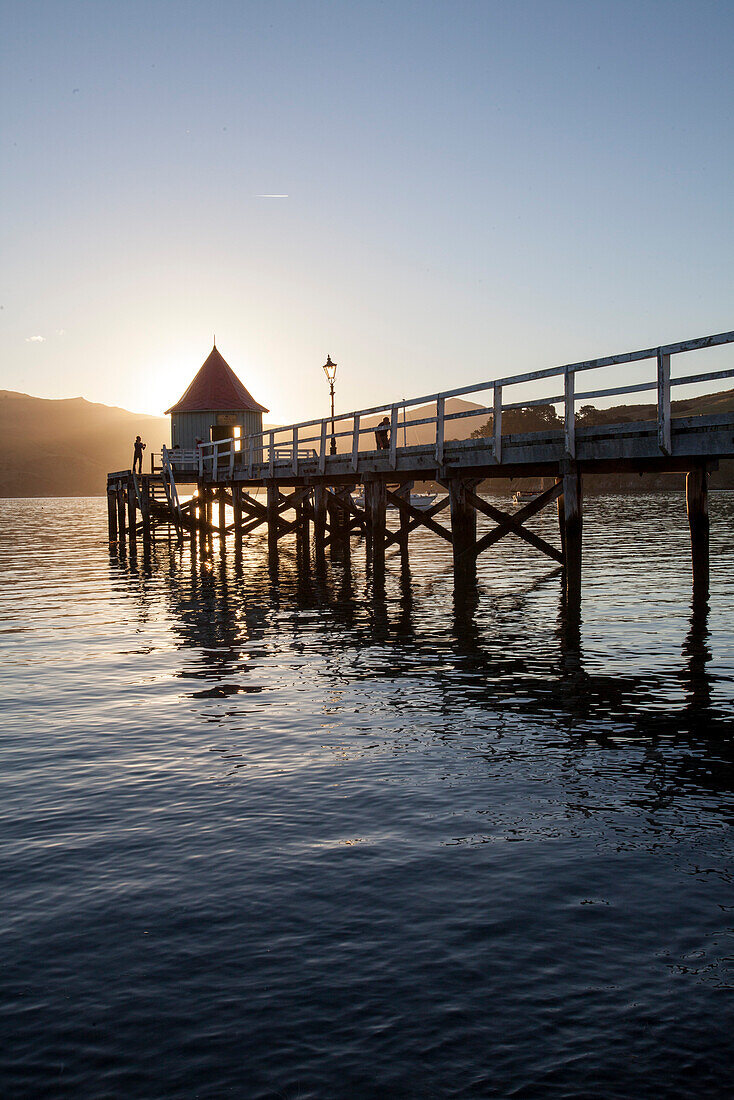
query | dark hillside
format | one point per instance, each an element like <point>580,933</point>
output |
<point>66,448</point>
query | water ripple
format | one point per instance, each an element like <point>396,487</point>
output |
<point>299,834</point>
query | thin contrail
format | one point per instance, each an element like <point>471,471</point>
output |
<point>271,196</point>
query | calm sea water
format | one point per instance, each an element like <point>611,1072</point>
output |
<point>293,835</point>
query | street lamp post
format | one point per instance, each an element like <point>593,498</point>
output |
<point>330,372</point>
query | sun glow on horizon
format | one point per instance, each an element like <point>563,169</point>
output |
<point>165,379</point>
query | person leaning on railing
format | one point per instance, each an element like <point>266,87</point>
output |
<point>382,434</point>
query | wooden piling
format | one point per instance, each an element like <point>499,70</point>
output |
<point>375,499</point>
<point>194,516</point>
<point>222,513</point>
<point>404,491</point>
<point>302,525</point>
<point>237,514</point>
<point>573,526</point>
<point>111,515</point>
<point>319,517</point>
<point>121,514</point>
<point>698,521</point>
<point>145,512</point>
<point>132,522</point>
<point>562,519</point>
<point>339,523</point>
<point>463,528</point>
<point>273,501</point>
<point>305,526</point>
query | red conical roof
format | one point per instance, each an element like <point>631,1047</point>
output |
<point>216,388</point>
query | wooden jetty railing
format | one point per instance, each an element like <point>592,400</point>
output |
<point>269,452</point>
<point>322,461</point>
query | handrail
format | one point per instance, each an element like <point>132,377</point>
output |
<point>292,450</point>
<point>171,490</point>
<point>177,457</point>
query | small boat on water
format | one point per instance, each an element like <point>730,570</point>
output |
<point>522,496</point>
<point>418,500</point>
<point>423,500</point>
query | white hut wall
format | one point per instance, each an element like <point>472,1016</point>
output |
<point>253,425</point>
<point>186,428</point>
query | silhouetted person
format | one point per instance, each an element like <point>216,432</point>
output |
<point>138,454</point>
<point>382,434</point>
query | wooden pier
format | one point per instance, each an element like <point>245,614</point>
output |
<point>310,471</point>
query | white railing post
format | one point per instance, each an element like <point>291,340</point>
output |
<point>231,458</point>
<point>570,412</point>
<point>215,460</point>
<point>497,423</point>
<point>393,437</point>
<point>295,451</point>
<point>271,454</point>
<point>250,456</point>
<point>664,430</point>
<point>322,453</point>
<point>355,442</point>
<point>200,457</point>
<point>440,411</point>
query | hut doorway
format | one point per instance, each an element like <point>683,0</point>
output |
<point>224,431</point>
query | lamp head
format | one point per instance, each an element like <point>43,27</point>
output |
<point>329,369</point>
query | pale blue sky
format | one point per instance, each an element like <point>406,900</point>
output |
<point>473,188</point>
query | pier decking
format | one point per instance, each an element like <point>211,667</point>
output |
<point>310,470</point>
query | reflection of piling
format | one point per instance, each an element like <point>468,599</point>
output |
<point>569,635</point>
<point>698,654</point>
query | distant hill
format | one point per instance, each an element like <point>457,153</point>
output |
<point>66,448</point>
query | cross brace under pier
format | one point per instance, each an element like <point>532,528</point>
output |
<point>142,506</point>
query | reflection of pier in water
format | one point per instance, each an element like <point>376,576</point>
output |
<point>222,607</point>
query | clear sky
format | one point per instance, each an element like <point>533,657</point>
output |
<point>473,188</point>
